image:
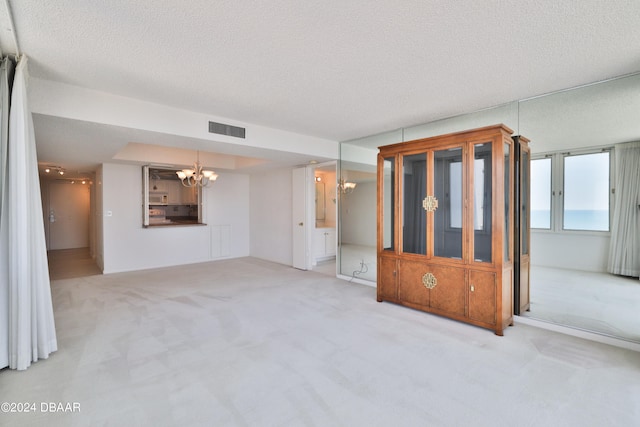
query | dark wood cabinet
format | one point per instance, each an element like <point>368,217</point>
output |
<point>522,219</point>
<point>446,225</point>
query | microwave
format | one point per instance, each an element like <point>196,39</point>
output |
<point>158,198</point>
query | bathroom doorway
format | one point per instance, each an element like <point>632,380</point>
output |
<point>323,242</point>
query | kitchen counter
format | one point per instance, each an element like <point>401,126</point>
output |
<point>175,221</point>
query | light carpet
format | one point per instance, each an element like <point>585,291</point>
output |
<point>245,342</point>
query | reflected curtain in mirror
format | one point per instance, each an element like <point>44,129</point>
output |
<point>624,250</point>
<point>414,230</point>
<point>448,223</point>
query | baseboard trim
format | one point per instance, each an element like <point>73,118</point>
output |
<point>580,333</point>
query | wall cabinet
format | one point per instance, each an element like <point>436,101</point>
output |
<point>174,192</point>
<point>189,195</point>
<point>324,244</point>
<point>446,225</point>
<point>177,194</point>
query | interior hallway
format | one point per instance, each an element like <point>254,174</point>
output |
<point>249,342</point>
<point>68,263</point>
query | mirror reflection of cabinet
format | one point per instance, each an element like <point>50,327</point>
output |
<point>446,227</point>
<point>522,271</point>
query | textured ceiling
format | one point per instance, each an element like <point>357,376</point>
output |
<point>333,69</point>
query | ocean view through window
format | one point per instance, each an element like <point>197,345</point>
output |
<point>571,191</point>
<point>541,193</point>
<point>586,192</point>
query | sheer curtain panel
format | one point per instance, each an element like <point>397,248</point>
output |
<point>5,70</point>
<point>624,250</point>
<point>24,273</point>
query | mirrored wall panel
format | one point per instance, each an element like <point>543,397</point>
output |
<point>569,282</point>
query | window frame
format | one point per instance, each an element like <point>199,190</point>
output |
<point>557,189</point>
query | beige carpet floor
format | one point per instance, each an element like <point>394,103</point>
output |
<point>245,342</point>
<point>68,263</point>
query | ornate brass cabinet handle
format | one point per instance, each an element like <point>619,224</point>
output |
<point>429,281</point>
<point>430,203</point>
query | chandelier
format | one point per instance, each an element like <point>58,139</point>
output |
<point>196,176</point>
<point>346,187</point>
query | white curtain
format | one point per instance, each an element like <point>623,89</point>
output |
<point>624,250</point>
<point>24,273</point>
<point>5,71</point>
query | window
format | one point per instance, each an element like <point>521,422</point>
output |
<point>571,191</point>
<point>586,192</point>
<point>541,193</point>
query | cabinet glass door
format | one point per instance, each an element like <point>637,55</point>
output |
<point>414,217</point>
<point>508,232</point>
<point>482,201</point>
<point>448,217</point>
<point>388,202</point>
<point>524,201</point>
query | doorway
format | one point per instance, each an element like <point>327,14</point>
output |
<point>68,228</point>
<point>324,232</point>
<point>67,216</point>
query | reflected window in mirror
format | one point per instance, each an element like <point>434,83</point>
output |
<point>482,199</point>
<point>586,192</point>
<point>541,193</point>
<point>414,187</point>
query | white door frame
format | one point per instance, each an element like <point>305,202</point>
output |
<point>311,204</point>
<point>300,227</point>
<point>303,198</point>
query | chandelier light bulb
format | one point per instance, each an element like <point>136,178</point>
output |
<point>196,176</point>
<point>346,187</point>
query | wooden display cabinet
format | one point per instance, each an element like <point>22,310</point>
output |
<point>446,225</point>
<point>522,221</point>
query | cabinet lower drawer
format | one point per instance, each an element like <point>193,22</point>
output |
<point>437,287</point>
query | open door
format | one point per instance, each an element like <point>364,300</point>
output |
<point>300,226</point>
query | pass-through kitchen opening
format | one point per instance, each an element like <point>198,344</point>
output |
<point>167,201</point>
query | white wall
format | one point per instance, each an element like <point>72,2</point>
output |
<point>358,221</point>
<point>587,252</point>
<point>99,218</point>
<point>128,246</point>
<point>74,102</point>
<point>227,204</point>
<point>271,216</point>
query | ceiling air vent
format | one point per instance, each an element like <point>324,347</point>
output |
<point>222,129</point>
